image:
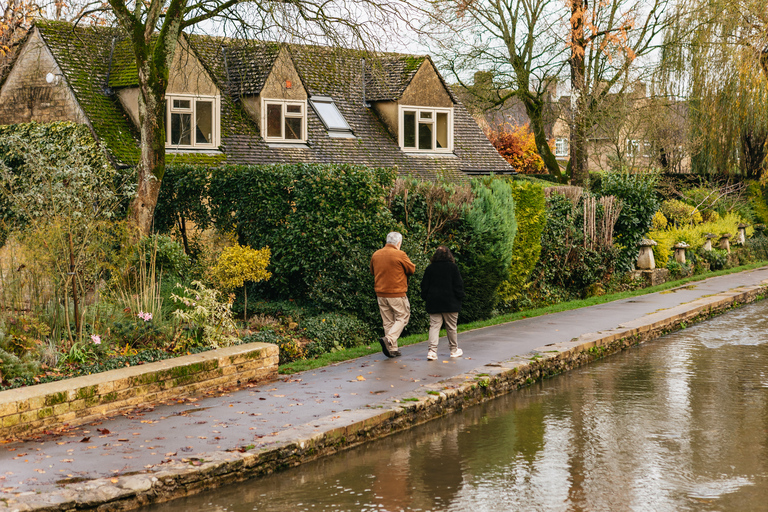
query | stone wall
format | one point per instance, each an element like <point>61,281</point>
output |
<point>26,411</point>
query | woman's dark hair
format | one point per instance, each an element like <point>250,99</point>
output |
<point>442,254</point>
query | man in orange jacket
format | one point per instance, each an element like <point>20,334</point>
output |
<point>390,268</point>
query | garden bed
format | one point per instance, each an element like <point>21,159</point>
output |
<point>53,405</point>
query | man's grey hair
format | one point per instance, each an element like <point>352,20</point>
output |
<point>394,238</point>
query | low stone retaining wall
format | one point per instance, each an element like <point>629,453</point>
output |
<point>325,436</point>
<point>49,406</point>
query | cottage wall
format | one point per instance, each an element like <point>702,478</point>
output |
<point>26,96</point>
<point>187,76</point>
<point>426,89</point>
<point>276,86</point>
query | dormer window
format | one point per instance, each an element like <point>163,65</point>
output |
<point>192,121</point>
<point>284,120</point>
<point>426,130</point>
<point>331,117</point>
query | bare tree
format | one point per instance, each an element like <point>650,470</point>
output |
<point>530,44</point>
<point>518,43</point>
<point>155,26</point>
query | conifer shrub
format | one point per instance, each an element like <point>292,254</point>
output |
<point>530,214</point>
<point>486,255</point>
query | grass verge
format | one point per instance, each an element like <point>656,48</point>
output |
<point>352,353</point>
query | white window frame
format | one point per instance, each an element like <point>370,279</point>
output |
<point>434,110</point>
<point>215,121</point>
<point>284,104</point>
<point>633,148</point>
<point>561,147</point>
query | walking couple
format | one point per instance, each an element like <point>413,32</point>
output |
<point>441,288</point>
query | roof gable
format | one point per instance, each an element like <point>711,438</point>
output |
<point>83,53</point>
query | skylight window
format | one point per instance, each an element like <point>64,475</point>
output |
<point>331,117</point>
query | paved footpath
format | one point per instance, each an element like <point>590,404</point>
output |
<point>307,402</point>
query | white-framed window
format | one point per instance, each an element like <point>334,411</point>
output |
<point>191,121</point>
<point>561,147</point>
<point>633,148</point>
<point>426,129</point>
<point>331,117</point>
<point>284,120</point>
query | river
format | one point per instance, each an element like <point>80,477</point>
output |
<point>677,424</point>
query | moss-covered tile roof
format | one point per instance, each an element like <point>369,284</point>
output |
<point>240,68</point>
<point>83,53</point>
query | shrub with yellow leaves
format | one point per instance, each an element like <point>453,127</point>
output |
<point>239,264</point>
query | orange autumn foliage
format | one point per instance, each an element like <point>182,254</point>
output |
<point>517,146</point>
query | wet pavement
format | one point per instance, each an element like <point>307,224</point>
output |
<point>142,439</point>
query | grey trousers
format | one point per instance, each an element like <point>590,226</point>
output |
<point>436,321</point>
<point>395,313</point>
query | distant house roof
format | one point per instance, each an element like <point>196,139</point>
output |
<point>96,61</point>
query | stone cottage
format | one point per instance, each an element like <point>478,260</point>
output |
<point>247,102</point>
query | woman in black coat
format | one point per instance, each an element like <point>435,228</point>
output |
<point>443,290</point>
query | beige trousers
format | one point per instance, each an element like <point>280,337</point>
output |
<point>395,313</point>
<point>436,321</point>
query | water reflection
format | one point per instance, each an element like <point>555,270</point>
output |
<point>676,425</point>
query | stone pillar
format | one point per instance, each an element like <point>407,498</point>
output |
<point>680,248</point>
<point>724,244</point>
<point>741,237</point>
<point>708,243</point>
<point>645,260</point>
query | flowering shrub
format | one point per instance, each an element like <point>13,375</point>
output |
<point>206,318</point>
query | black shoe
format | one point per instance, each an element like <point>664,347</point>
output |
<point>384,348</point>
<point>396,353</point>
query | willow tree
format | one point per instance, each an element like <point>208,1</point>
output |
<point>722,68</point>
<point>154,28</point>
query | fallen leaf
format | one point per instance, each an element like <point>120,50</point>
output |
<point>103,431</point>
<point>360,377</point>
<point>85,439</point>
<point>40,470</point>
<point>67,460</point>
<point>114,480</point>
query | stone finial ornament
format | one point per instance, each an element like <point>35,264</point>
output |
<point>680,248</point>
<point>724,243</point>
<point>741,237</point>
<point>708,243</point>
<point>645,260</point>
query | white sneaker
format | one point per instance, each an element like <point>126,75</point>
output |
<point>431,355</point>
<point>457,353</point>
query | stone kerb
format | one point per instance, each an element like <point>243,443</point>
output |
<point>29,410</point>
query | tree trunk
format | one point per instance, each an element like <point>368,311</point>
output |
<point>535,110</point>
<point>151,167</point>
<point>579,171</point>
